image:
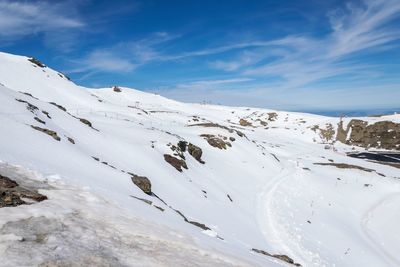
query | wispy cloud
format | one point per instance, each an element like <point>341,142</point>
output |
<point>209,84</point>
<point>122,57</point>
<point>21,18</point>
<point>302,60</point>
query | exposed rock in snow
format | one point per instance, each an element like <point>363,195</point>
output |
<point>47,131</point>
<point>195,152</point>
<point>12,194</point>
<point>178,164</point>
<point>142,182</point>
<point>381,134</point>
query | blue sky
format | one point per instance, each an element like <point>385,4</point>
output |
<point>293,55</point>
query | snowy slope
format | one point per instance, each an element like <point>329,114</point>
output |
<point>263,191</point>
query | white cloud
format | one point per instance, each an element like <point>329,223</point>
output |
<point>356,29</point>
<point>103,61</point>
<point>209,84</point>
<point>21,18</point>
<point>124,56</point>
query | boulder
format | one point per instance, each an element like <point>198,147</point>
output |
<point>244,122</point>
<point>178,164</point>
<point>12,194</point>
<point>142,182</point>
<point>6,182</point>
<point>182,145</point>
<point>216,141</point>
<point>195,152</point>
<point>85,121</point>
<point>117,89</point>
<point>272,116</point>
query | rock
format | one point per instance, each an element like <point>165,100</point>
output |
<point>178,164</point>
<point>59,106</point>
<point>326,134</point>
<point>177,150</point>
<point>36,62</point>
<point>216,141</point>
<point>182,145</point>
<point>6,182</point>
<point>48,132</point>
<point>31,195</point>
<point>277,256</point>
<point>117,89</point>
<point>28,94</point>
<point>244,122</point>
<point>272,116</point>
<point>240,133</point>
<point>344,166</point>
<point>382,134</point>
<point>142,182</point>
<point>195,152</point>
<point>263,123</point>
<point>200,225</point>
<point>39,120</point>
<point>12,194</point>
<point>46,113</point>
<point>85,121</point>
<point>32,108</point>
<point>9,199</point>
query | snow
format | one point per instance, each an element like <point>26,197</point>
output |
<point>282,202</point>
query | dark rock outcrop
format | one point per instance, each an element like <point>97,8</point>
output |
<point>182,145</point>
<point>344,166</point>
<point>12,194</point>
<point>244,122</point>
<point>178,164</point>
<point>36,62</point>
<point>46,113</point>
<point>39,120</point>
<point>195,152</point>
<point>32,108</point>
<point>59,106</point>
<point>47,131</point>
<point>6,182</point>
<point>327,134</point>
<point>200,225</point>
<point>142,182</point>
<point>85,121</point>
<point>277,256</point>
<point>117,89</point>
<point>216,141</point>
<point>382,134</point>
<point>272,116</point>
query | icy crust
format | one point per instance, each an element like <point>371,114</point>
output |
<point>77,228</point>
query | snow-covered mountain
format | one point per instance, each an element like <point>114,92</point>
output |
<point>130,178</point>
